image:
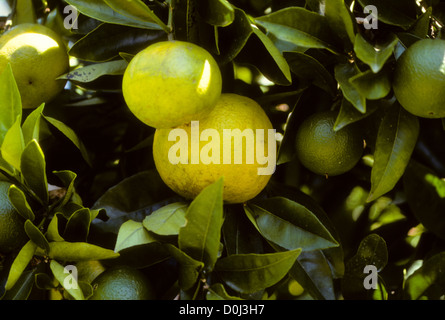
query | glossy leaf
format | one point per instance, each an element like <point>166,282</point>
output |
<point>78,251</point>
<point>108,41</point>
<point>20,203</point>
<point>372,86</point>
<point>309,69</point>
<point>20,263</point>
<point>190,269</point>
<point>375,56</point>
<point>78,226</point>
<point>11,105</point>
<point>395,143</point>
<point>200,237</point>
<point>247,273</point>
<point>33,168</point>
<point>343,74</point>
<point>100,10</point>
<point>132,233</point>
<point>340,19</point>
<point>425,199</point>
<point>216,12</point>
<point>71,135</point>
<point>95,71</point>
<point>218,292</point>
<point>299,26</point>
<point>167,220</point>
<point>423,281</point>
<point>289,225</point>
<point>13,144</point>
<point>36,236</point>
<point>31,125</point>
<point>61,275</point>
<point>348,114</point>
<point>397,12</point>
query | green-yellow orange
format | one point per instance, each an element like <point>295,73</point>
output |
<point>419,79</point>
<point>37,56</point>
<point>171,83</point>
<point>325,151</point>
<point>122,283</point>
<point>12,232</point>
<point>242,180</point>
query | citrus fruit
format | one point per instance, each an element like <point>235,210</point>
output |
<point>171,83</point>
<point>122,283</point>
<point>212,147</point>
<point>37,56</point>
<point>325,151</point>
<point>419,79</point>
<point>12,232</point>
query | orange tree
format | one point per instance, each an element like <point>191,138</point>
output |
<point>84,181</point>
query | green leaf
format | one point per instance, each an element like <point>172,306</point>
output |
<point>218,292</point>
<point>289,225</point>
<point>299,26</point>
<point>78,226</point>
<point>189,270</point>
<point>67,177</point>
<point>247,273</point>
<point>71,135</point>
<point>36,236</point>
<point>13,144</point>
<point>397,137</point>
<point>18,200</point>
<point>216,12</point>
<point>341,20</point>
<point>424,198</point>
<point>309,69</point>
<point>95,71</point>
<point>112,12</point>
<point>167,220</point>
<point>372,251</point>
<point>78,251</point>
<point>423,281</point>
<point>61,275</point>
<point>396,12</point>
<point>375,56</point>
<point>52,232</point>
<point>20,263</point>
<point>108,41</point>
<point>348,114</point>
<point>33,168</point>
<point>23,286</point>
<point>132,233</point>
<point>31,126</point>
<point>11,106</point>
<point>372,86</point>
<point>343,73</point>
<point>200,237</point>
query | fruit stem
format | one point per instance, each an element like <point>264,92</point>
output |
<point>171,34</point>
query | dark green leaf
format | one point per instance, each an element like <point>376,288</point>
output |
<point>374,56</point>
<point>67,177</point>
<point>23,287</point>
<point>216,12</point>
<point>36,236</point>
<point>78,226</point>
<point>167,220</point>
<point>100,10</point>
<point>343,74</point>
<point>200,237</point>
<point>107,41</point>
<point>218,292</point>
<point>18,200</point>
<point>395,12</point>
<point>247,273</point>
<point>396,139</point>
<point>289,225</point>
<point>33,168</point>
<point>301,27</point>
<point>372,86</point>
<point>349,114</point>
<point>341,20</point>
<point>95,71</point>
<point>190,268</point>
